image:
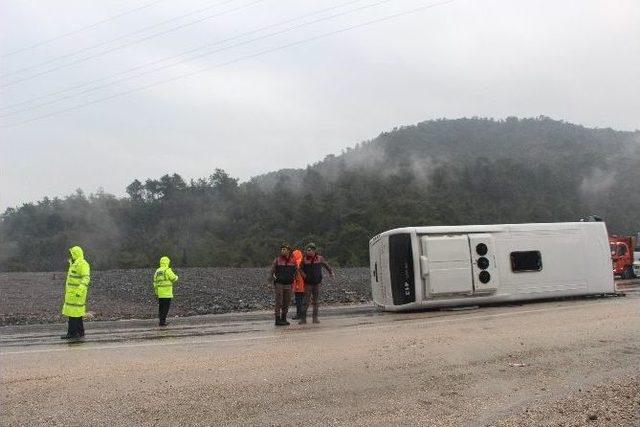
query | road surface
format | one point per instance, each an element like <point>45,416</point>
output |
<point>570,362</point>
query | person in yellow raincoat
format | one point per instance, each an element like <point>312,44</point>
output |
<point>163,280</point>
<point>75,293</point>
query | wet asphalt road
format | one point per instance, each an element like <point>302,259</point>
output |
<point>486,366</point>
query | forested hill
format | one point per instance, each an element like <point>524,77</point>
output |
<point>467,171</point>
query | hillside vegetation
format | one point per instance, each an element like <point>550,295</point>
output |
<point>466,171</point>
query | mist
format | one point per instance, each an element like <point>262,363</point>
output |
<point>437,172</point>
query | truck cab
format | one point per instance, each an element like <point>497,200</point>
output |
<point>622,256</point>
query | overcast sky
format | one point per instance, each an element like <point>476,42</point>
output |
<point>250,113</point>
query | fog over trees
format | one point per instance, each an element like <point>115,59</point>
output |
<point>439,172</point>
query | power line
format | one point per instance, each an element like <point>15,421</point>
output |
<point>160,33</point>
<point>281,47</point>
<point>108,77</point>
<point>142,30</point>
<point>233,61</point>
<point>91,89</point>
<point>79,30</point>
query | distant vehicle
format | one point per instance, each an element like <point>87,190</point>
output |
<point>622,255</point>
<point>418,267</point>
<point>636,257</point>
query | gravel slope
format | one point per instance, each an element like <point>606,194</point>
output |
<point>120,294</point>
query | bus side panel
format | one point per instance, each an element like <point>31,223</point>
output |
<point>599,259</point>
<point>563,265</point>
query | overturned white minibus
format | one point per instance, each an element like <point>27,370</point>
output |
<point>417,267</point>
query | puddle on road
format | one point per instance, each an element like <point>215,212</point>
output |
<point>145,335</point>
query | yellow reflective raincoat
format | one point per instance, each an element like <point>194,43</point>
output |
<point>163,279</point>
<point>77,285</point>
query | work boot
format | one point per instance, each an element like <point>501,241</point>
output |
<point>65,337</point>
<point>303,319</point>
<point>284,320</point>
<point>279,321</point>
<point>315,319</point>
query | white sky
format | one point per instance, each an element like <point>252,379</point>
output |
<point>573,60</point>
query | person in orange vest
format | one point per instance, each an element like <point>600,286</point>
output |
<point>312,265</point>
<point>298,286</point>
<point>283,272</point>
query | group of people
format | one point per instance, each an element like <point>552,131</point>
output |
<point>302,274</point>
<point>290,271</point>
<point>76,290</point>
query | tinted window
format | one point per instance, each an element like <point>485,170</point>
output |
<point>526,261</point>
<point>403,287</point>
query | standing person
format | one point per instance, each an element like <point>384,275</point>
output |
<point>298,285</point>
<point>283,272</point>
<point>75,293</point>
<point>163,281</point>
<point>312,265</point>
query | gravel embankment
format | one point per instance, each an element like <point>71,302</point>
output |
<point>29,298</point>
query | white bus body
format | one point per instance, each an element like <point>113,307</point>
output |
<point>418,267</point>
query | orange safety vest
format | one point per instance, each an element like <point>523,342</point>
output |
<point>298,281</point>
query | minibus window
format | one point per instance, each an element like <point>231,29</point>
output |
<point>403,287</point>
<point>526,261</point>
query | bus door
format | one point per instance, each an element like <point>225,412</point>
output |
<point>445,264</point>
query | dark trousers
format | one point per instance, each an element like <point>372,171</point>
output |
<point>299,298</point>
<point>311,295</point>
<point>76,327</point>
<point>283,298</point>
<point>163,309</point>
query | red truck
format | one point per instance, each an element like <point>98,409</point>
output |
<point>622,255</point>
